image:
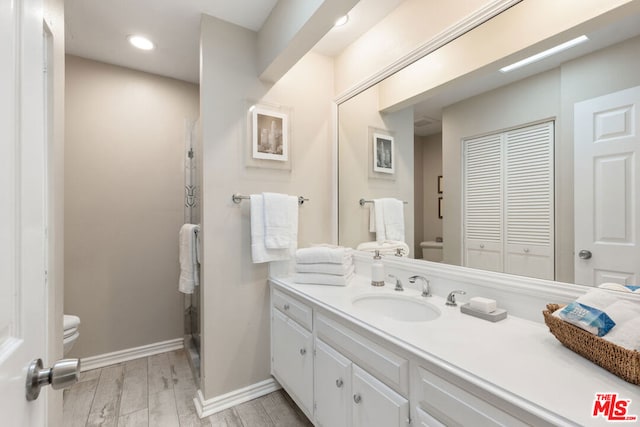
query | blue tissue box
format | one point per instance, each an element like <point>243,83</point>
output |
<point>588,318</point>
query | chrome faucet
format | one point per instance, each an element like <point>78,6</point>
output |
<point>426,289</point>
<point>398,283</point>
<point>451,299</point>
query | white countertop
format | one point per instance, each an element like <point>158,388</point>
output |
<point>517,359</point>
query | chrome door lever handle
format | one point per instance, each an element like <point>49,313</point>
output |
<point>63,374</point>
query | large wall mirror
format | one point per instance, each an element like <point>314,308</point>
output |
<point>533,171</point>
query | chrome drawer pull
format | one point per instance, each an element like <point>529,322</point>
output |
<point>339,382</point>
<point>286,307</point>
<point>357,398</point>
<point>303,351</point>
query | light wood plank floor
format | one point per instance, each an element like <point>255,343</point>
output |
<point>158,391</point>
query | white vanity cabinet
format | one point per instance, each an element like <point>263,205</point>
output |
<point>292,355</point>
<point>375,404</point>
<point>342,373</point>
<point>332,387</point>
<point>326,382</point>
<point>346,395</point>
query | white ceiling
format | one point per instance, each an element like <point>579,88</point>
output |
<point>428,113</point>
<point>97,29</point>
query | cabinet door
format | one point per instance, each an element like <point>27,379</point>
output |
<point>374,404</point>
<point>292,358</point>
<point>332,387</point>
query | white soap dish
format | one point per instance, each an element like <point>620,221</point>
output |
<point>495,316</point>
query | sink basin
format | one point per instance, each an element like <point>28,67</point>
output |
<point>398,307</point>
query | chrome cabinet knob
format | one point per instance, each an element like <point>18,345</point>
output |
<point>585,254</point>
<point>526,250</point>
<point>63,374</point>
<point>286,307</point>
<point>303,351</point>
<point>339,382</point>
<point>357,398</point>
<point>481,245</point>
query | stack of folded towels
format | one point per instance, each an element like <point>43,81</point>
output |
<point>324,265</point>
<point>603,314</point>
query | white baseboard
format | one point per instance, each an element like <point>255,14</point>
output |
<point>102,360</point>
<point>209,407</point>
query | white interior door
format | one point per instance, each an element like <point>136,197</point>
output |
<point>607,181</point>
<point>22,242</point>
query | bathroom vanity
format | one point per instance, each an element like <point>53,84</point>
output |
<point>346,364</point>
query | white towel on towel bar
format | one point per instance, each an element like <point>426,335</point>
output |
<point>259,252</point>
<point>279,213</point>
<point>189,274</point>
<point>389,219</point>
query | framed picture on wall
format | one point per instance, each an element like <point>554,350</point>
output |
<point>270,134</point>
<point>439,184</point>
<point>440,207</point>
<point>383,153</point>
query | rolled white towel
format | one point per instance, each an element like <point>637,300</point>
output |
<point>597,298</point>
<point>388,247</point>
<point>322,279</point>
<point>323,254</point>
<point>626,335</point>
<point>325,268</point>
<point>621,311</point>
<point>614,287</point>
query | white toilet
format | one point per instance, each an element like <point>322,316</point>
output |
<point>431,251</point>
<point>71,325</point>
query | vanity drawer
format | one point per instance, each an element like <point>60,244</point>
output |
<point>385,365</point>
<point>451,405</point>
<point>293,308</point>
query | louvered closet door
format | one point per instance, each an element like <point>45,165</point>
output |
<point>483,203</point>
<point>528,196</point>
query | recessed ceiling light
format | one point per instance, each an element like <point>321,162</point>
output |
<point>141,42</point>
<point>544,54</point>
<point>341,21</point>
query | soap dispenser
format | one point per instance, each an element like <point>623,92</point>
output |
<point>377,270</point>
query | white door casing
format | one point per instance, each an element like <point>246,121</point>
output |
<point>606,185</point>
<point>23,302</point>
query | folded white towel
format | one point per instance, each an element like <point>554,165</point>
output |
<point>324,254</point>
<point>322,279</point>
<point>326,268</point>
<point>389,219</point>
<point>279,212</point>
<point>626,335</point>
<point>622,311</point>
<point>189,275</point>
<point>597,298</point>
<point>259,252</point>
<point>388,247</point>
<point>614,287</point>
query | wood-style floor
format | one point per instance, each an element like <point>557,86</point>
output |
<point>158,391</point>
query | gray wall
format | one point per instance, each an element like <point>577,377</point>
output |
<point>431,163</point>
<point>235,320</point>
<point>527,101</point>
<point>123,204</point>
<point>547,95</point>
<point>609,70</point>
<point>356,177</point>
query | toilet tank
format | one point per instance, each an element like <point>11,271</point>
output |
<point>431,251</point>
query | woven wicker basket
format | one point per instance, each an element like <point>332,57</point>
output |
<point>615,359</point>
